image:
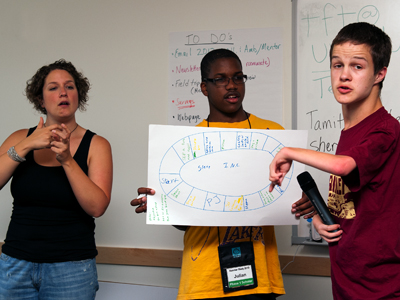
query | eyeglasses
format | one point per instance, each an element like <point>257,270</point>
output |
<point>224,81</point>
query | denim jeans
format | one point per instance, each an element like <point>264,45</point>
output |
<point>24,280</point>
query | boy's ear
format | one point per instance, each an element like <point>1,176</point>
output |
<point>380,75</point>
<point>204,88</point>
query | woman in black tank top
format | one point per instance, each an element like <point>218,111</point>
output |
<point>61,180</point>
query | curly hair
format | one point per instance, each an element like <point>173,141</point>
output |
<point>34,86</point>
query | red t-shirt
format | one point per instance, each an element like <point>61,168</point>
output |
<point>366,203</point>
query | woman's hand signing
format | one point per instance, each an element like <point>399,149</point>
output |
<point>42,137</point>
<point>60,143</point>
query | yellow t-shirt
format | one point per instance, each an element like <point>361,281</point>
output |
<point>201,273</point>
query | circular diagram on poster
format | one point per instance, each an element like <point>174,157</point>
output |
<point>221,171</point>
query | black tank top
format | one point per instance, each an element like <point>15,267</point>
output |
<point>47,223</point>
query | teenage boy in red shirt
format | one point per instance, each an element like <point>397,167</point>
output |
<point>365,172</point>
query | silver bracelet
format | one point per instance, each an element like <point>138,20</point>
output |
<point>14,155</point>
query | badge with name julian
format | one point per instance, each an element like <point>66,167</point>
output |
<point>237,266</point>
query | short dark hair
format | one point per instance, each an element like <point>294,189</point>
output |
<point>210,57</point>
<point>365,33</point>
<point>34,86</point>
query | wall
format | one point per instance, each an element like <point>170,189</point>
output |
<point>122,47</point>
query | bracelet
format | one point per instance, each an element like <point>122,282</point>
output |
<point>14,155</point>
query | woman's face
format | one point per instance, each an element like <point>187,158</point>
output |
<point>60,95</point>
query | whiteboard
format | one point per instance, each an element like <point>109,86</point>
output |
<point>261,53</point>
<point>317,23</point>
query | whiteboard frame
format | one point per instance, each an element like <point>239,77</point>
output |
<point>296,239</point>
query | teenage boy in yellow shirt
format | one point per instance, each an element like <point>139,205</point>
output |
<point>223,83</point>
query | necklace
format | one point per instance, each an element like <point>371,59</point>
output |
<point>74,128</point>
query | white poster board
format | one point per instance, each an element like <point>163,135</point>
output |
<point>219,176</point>
<point>260,51</point>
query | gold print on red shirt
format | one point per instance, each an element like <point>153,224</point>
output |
<point>340,203</point>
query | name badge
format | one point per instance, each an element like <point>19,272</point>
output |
<point>240,276</point>
<point>237,266</point>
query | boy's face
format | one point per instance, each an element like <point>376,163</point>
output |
<point>225,101</point>
<point>352,74</point>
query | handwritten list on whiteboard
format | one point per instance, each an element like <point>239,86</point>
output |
<point>318,24</point>
<point>260,51</point>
